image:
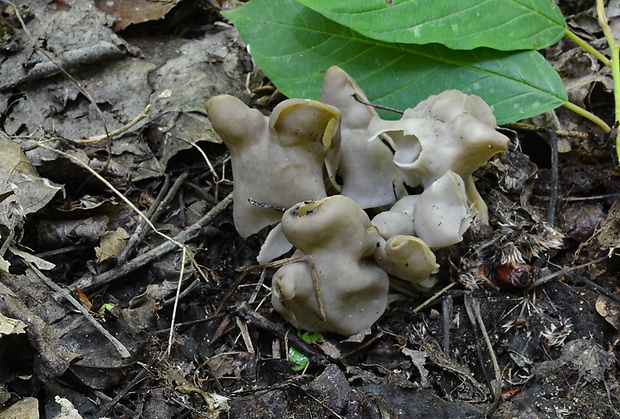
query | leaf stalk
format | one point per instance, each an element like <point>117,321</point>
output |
<point>615,63</point>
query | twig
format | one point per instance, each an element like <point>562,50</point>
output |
<point>472,307</point>
<point>109,135</point>
<point>551,277</point>
<point>255,319</point>
<point>560,132</point>
<point>191,287</point>
<point>159,206</point>
<point>266,205</point>
<point>176,301</point>
<point>105,409</point>
<point>446,308</point>
<point>376,106</point>
<point>555,179</point>
<point>216,178</point>
<point>140,230</point>
<point>122,350</point>
<point>91,282</point>
<point>434,297</point>
<point>596,287</point>
<point>581,198</point>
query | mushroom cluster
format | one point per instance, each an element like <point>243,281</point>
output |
<point>332,163</point>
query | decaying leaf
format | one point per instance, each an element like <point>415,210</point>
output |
<point>59,233</point>
<point>42,264</point>
<point>28,407</point>
<point>10,326</point>
<point>52,357</point>
<point>609,233</point>
<point>30,192</point>
<point>112,243</point>
<point>128,12</point>
<point>609,309</point>
<point>67,410</point>
<point>419,359</point>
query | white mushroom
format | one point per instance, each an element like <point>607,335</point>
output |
<point>369,175</point>
<point>349,292</point>
<point>278,160</point>
<point>442,214</point>
<point>398,220</point>
<point>410,259</point>
<point>450,131</point>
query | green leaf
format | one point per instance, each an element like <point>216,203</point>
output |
<point>300,360</point>
<point>505,25</point>
<point>106,307</point>
<point>295,45</point>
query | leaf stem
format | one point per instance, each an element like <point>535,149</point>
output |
<point>615,63</point>
<point>587,47</point>
<point>587,114</point>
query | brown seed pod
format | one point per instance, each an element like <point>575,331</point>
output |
<point>513,276</point>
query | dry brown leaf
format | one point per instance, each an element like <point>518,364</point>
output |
<point>9,326</point>
<point>111,243</point>
<point>128,12</point>
<point>609,309</point>
<point>24,190</point>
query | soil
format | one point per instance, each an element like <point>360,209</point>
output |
<point>101,316</point>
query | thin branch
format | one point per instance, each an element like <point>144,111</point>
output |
<point>255,319</point>
<point>559,132</point>
<point>90,282</point>
<point>434,297</point>
<point>555,179</point>
<point>122,350</point>
<point>161,203</point>
<point>176,301</point>
<point>109,135</point>
<point>377,106</point>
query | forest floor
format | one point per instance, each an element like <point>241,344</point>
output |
<point>89,291</point>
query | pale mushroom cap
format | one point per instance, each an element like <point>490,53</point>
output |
<point>392,223</point>
<point>408,258</point>
<point>330,223</point>
<point>442,214</point>
<point>278,160</point>
<point>449,104</point>
<point>336,237</point>
<point>354,295</point>
<point>369,175</point>
<point>338,90</point>
<point>425,149</point>
<point>225,112</point>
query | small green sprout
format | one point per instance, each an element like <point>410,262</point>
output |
<point>300,360</point>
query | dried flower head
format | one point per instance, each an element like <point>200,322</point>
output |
<point>555,336</point>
